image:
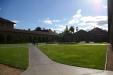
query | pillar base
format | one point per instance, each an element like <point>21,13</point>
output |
<point>109,61</point>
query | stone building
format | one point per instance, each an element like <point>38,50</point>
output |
<point>8,34</point>
<point>6,24</point>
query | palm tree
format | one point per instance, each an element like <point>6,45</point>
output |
<point>71,29</point>
<point>66,30</point>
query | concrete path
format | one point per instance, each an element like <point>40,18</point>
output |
<point>40,64</point>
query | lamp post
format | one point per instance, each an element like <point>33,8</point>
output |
<point>110,21</point>
<point>109,54</point>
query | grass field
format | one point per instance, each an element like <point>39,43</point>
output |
<point>15,55</point>
<point>88,56</point>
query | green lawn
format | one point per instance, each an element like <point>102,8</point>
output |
<point>15,55</point>
<point>88,56</point>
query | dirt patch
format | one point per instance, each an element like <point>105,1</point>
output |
<point>109,65</point>
<point>7,70</point>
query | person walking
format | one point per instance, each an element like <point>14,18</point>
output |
<point>33,42</point>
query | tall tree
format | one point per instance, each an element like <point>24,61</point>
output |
<point>82,35</point>
<point>66,30</point>
<point>76,29</point>
<point>37,29</point>
<point>71,29</point>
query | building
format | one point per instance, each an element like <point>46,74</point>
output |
<point>8,34</point>
<point>6,24</point>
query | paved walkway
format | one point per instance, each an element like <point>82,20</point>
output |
<point>40,64</point>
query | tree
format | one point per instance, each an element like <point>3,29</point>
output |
<point>38,29</point>
<point>66,36</point>
<point>50,30</point>
<point>82,35</point>
<point>71,29</point>
<point>98,35</point>
<point>66,30</point>
<point>76,29</point>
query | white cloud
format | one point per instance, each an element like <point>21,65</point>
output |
<point>73,21</point>
<point>105,6</point>
<point>64,19</point>
<point>87,22</point>
<point>78,14</point>
<point>76,17</point>
<point>15,21</point>
<point>93,19</point>
<point>50,21</point>
<point>56,20</point>
<point>88,19</point>
<point>59,28</point>
<point>78,20</point>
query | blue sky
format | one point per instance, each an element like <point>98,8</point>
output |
<point>55,14</point>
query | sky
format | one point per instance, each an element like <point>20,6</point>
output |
<point>55,14</point>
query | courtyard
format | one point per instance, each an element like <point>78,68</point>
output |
<point>82,58</point>
<point>14,55</point>
<point>81,55</point>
